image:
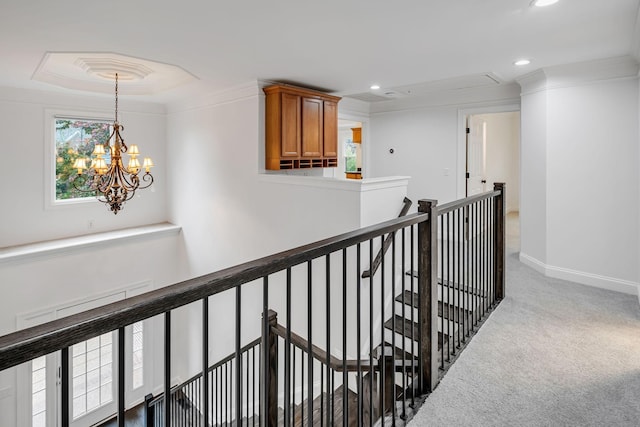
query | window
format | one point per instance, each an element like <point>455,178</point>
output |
<point>92,373</point>
<point>137,355</point>
<point>350,156</point>
<point>39,392</point>
<point>75,139</point>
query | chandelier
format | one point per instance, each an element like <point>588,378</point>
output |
<point>107,177</point>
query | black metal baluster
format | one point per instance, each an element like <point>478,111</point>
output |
<point>167,368</point>
<point>238,356</point>
<point>287,357</point>
<point>371,334</point>
<point>445,307</point>
<point>345,378</point>
<point>477,260</point>
<point>393,316</point>
<point>460,305</point>
<point>205,360</point>
<point>404,350</point>
<point>328,343</point>
<point>309,345</point>
<point>293,390</point>
<point>121,371</point>
<point>245,369</point>
<point>64,386</point>
<point>226,394</point>
<point>321,398</point>
<point>253,387</point>
<point>442,287</point>
<point>358,337</point>
<point>484,257</point>
<point>302,387</point>
<point>381,357</point>
<point>411,330</point>
<point>467,271</point>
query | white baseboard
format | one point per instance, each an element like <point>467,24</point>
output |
<point>595,280</point>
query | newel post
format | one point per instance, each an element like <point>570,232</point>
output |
<point>269,350</point>
<point>499,230</point>
<point>428,294</point>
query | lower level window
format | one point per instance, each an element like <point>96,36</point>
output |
<point>92,374</point>
<point>39,392</point>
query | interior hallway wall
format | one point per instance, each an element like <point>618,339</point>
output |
<point>579,173</point>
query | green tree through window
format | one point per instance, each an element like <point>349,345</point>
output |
<point>76,138</point>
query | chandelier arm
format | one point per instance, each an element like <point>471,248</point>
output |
<point>147,177</point>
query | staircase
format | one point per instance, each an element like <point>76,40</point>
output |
<point>282,378</point>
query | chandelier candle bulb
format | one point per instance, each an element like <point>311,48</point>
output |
<point>147,164</point>
<point>80,165</point>
<point>133,150</point>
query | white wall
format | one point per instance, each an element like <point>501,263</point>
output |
<point>580,205</point>
<point>44,282</point>
<point>503,154</point>
<point>231,212</point>
<point>424,148</point>
<point>592,191</point>
<point>533,175</point>
<point>22,168</point>
<point>425,136</point>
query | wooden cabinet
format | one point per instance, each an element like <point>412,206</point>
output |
<point>301,128</point>
<point>357,135</point>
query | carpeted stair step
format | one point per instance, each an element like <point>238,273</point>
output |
<point>453,313</point>
<point>404,327</point>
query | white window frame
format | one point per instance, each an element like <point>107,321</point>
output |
<point>23,374</point>
<point>50,156</point>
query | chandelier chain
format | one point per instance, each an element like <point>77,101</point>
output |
<point>116,97</point>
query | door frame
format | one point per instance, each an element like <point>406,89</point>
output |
<point>461,149</point>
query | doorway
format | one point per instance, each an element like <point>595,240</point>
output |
<point>492,154</point>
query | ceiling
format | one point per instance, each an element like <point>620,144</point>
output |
<point>341,46</point>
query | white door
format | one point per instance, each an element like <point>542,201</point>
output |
<point>476,155</point>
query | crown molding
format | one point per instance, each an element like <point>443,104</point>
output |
<point>507,93</point>
<point>635,42</point>
<point>578,74</point>
<point>236,93</point>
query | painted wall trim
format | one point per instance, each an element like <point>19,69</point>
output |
<point>579,74</point>
<point>584,278</point>
<point>73,244</point>
<point>483,96</point>
<point>236,93</point>
<point>355,185</point>
<point>85,103</point>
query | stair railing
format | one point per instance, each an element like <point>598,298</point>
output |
<point>317,290</point>
<point>406,205</point>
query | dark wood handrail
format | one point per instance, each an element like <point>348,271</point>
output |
<point>27,344</point>
<point>321,355</point>
<point>387,242</point>
<point>457,204</point>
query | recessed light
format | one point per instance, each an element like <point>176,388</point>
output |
<point>542,3</point>
<point>522,62</point>
<point>375,87</point>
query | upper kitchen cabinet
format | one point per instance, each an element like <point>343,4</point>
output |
<point>301,128</point>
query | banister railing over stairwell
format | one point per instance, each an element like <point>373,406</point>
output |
<point>334,349</point>
<point>406,205</point>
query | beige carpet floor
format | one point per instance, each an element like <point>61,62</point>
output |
<point>554,353</point>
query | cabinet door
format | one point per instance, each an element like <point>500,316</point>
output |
<point>330,129</point>
<point>290,126</point>
<point>312,127</point>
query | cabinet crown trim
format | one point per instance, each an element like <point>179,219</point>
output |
<point>308,93</point>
